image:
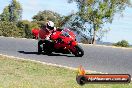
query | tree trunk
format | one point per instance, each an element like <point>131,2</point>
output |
<point>94,36</point>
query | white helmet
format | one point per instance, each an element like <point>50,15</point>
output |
<point>50,25</point>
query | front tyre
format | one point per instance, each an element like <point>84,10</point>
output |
<point>79,51</point>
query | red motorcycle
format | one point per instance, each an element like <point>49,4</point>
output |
<point>62,41</point>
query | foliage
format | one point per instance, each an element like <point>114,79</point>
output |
<point>99,12</point>
<point>85,40</point>
<point>34,25</point>
<point>122,43</point>
<point>44,16</point>
<point>5,16</point>
<point>12,12</point>
<point>65,20</point>
<point>9,29</point>
<point>74,22</point>
<point>39,23</point>
<point>101,33</point>
<point>8,19</point>
<point>26,27</point>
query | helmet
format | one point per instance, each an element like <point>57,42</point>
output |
<point>50,25</point>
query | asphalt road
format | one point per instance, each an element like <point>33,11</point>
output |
<point>96,58</point>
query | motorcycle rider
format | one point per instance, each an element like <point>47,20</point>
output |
<point>44,34</point>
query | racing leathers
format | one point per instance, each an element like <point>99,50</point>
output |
<point>44,36</point>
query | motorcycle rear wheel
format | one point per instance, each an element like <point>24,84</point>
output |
<point>39,47</point>
<point>47,47</point>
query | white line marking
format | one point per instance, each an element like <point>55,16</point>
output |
<point>71,68</point>
<point>56,65</point>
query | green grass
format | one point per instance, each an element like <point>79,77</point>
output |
<point>130,47</point>
<point>26,74</point>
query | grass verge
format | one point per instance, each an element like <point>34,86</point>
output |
<point>16,73</point>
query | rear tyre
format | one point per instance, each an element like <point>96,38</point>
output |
<point>39,47</point>
<point>48,51</point>
<point>47,47</point>
<point>79,51</point>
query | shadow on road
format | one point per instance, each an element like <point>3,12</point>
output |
<point>28,52</point>
<point>53,54</point>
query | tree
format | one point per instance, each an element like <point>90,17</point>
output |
<point>9,29</point>
<point>44,16</point>
<point>26,26</point>
<point>12,12</point>
<point>5,16</point>
<point>122,43</point>
<point>65,19</point>
<point>75,23</point>
<point>99,12</point>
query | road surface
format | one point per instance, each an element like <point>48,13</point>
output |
<point>96,58</point>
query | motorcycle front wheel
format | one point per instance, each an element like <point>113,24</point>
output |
<point>79,51</point>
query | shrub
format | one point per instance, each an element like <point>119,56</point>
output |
<point>1,32</point>
<point>9,29</point>
<point>26,27</point>
<point>122,43</point>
